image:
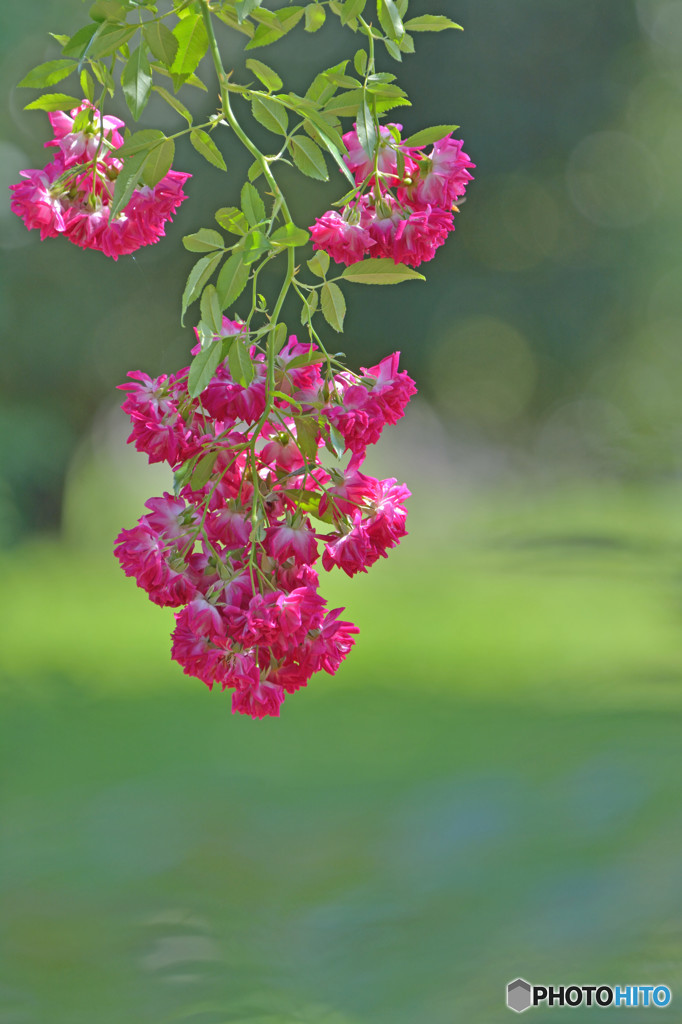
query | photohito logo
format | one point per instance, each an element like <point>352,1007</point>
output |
<point>521,995</point>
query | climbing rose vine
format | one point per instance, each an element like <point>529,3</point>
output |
<point>265,434</point>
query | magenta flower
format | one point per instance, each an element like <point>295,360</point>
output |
<point>72,195</point>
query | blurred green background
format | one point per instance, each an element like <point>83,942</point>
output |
<point>489,787</point>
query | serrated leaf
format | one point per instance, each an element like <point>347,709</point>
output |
<point>245,7</point>
<point>264,74</point>
<point>407,43</point>
<point>192,39</point>
<point>393,49</point>
<point>319,264</point>
<point>126,183</point>
<point>255,170</point>
<point>428,135</point>
<point>232,280</point>
<point>204,144</point>
<point>333,305</point>
<point>309,308</point>
<point>161,41</point>
<point>204,467</point>
<point>79,41</point>
<point>211,313</point>
<point>380,271</point>
<point>430,23</point>
<point>265,34</point>
<point>173,102</point>
<point>315,17</point>
<point>366,130</point>
<point>253,246</point>
<point>204,240</point>
<point>329,142</point>
<point>390,19</point>
<point>337,441</point>
<point>232,219</point>
<point>158,163</point>
<point>352,9</point>
<point>360,61</point>
<point>53,101</point>
<point>107,10</point>
<point>108,38</point>
<point>136,81</point>
<point>252,204</point>
<point>87,85</point>
<point>141,141</point>
<point>198,277</point>
<point>240,363</point>
<point>307,435</point>
<point>309,158</point>
<point>270,114</point>
<point>203,367</point>
<point>278,337</point>
<point>50,73</point>
<point>289,235</point>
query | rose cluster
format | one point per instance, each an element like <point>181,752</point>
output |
<point>235,547</point>
<point>404,208</point>
<point>72,195</point>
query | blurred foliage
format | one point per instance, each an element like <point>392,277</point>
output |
<point>549,323</point>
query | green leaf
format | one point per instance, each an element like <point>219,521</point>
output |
<point>240,362</point>
<point>309,158</point>
<point>232,280</point>
<point>232,219</point>
<point>192,39</point>
<point>265,34</point>
<point>204,240</point>
<point>204,144</point>
<point>309,307</point>
<point>204,467</point>
<point>352,9</point>
<point>203,367</point>
<point>333,305</point>
<point>430,23</point>
<point>375,271</point>
<point>136,81</point>
<point>366,129</point>
<point>198,277</point>
<point>53,101</point>
<point>307,435</point>
<point>79,41</point>
<point>264,74</point>
<point>173,102</point>
<point>390,19</point>
<point>87,85</point>
<point>360,61</point>
<point>319,264</point>
<point>107,10</point>
<point>327,137</point>
<point>270,114</point>
<point>158,163</point>
<point>127,180</point>
<point>244,8</point>
<point>407,43</point>
<point>289,235</point>
<point>48,74</point>
<point>429,135</point>
<point>211,313</point>
<point>108,38</point>
<point>337,441</point>
<point>160,41</point>
<point>314,17</point>
<point>253,246</point>
<point>392,49</point>
<point>142,141</point>
<point>255,170</point>
<point>252,204</point>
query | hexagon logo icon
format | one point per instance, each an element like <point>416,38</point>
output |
<point>518,995</point>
